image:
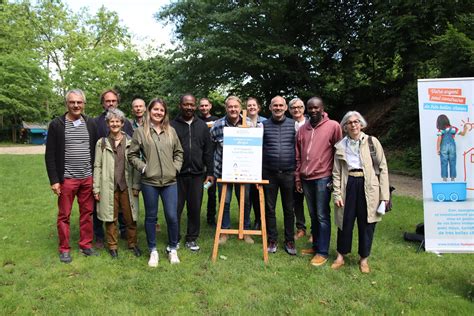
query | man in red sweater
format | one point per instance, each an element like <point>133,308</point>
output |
<point>315,142</point>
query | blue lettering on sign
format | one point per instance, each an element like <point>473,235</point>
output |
<point>243,141</point>
<point>445,107</point>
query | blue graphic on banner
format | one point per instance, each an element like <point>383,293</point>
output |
<point>243,141</point>
<point>445,107</point>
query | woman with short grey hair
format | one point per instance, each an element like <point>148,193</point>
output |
<point>116,183</point>
<point>361,189</point>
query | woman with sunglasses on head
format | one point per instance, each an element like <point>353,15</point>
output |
<point>361,188</point>
<point>157,153</point>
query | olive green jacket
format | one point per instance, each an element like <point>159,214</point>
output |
<point>159,158</point>
<point>376,188</point>
<point>104,180</point>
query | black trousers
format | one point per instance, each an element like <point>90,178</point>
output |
<point>190,189</point>
<point>355,208</point>
<point>211,203</point>
<point>255,202</point>
<point>285,182</point>
<point>299,210</point>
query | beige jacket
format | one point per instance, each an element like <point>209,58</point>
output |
<point>104,180</point>
<point>376,187</point>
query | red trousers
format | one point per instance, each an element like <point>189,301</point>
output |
<point>70,188</point>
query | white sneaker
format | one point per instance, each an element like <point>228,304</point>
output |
<point>154,258</point>
<point>173,256</point>
<point>168,248</point>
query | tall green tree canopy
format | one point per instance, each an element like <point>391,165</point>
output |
<point>347,51</point>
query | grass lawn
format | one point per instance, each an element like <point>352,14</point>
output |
<point>33,281</point>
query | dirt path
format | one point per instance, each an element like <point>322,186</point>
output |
<point>405,186</point>
<point>23,150</point>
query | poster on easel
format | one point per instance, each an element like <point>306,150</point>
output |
<point>446,108</point>
<point>242,154</point>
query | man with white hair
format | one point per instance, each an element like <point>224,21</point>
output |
<point>69,160</point>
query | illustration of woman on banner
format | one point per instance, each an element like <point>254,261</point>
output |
<point>446,146</point>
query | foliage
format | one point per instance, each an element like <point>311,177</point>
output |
<point>75,50</point>
<point>33,281</point>
<point>350,52</point>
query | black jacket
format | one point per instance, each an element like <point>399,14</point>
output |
<point>103,130</point>
<point>55,147</point>
<point>198,148</point>
<point>279,145</point>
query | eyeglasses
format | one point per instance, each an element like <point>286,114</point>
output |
<point>296,107</point>
<point>75,102</point>
<point>356,122</point>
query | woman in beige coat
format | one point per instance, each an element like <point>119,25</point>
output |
<point>361,189</point>
<point>116,183</point>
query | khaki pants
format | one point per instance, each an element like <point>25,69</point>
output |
<point>121,202</point>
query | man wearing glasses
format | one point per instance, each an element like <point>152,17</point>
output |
<point>69,158</point>
<point>315,142</point>
<point>296,107</point>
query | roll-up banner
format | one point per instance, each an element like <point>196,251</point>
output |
<point>447,151</point>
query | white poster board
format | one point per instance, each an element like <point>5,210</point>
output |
<point>242,154</point>
<point>447,150</point>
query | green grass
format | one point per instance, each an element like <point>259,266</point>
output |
<point>33,281</point>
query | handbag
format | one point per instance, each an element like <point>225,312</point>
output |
<point>376,164</point>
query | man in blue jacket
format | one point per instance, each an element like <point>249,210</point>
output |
<point>197,166</point>
<point>279,169</point>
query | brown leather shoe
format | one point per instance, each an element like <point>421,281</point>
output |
<point>223,239</point>
<point>364,267</point>
<point>308,251</point>
<point>336,265</point>
<point>300,233</point>
<point>248,239</point>
<point>318,260</point>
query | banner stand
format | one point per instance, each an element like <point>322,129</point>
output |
<point>241,232</point>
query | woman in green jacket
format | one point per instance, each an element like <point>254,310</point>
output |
<point>157,153</point>
<point>116,183</point>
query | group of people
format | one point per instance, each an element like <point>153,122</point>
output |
<point>106,161</point>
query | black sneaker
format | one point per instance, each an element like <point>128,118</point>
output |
<point>136,251</point>
<point>211,222</point>
<point>88,252</point>
<point>272,247</point>
<point>192,245</point>
<point>65,257</point>
<point>290,248</point>
<point>113,253</point>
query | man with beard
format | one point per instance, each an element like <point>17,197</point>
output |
<point>197,166</point>
<point>315,142</point>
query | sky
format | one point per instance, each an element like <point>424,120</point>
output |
<point>137,15</point>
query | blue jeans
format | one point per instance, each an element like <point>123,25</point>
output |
<point>318,196</point>
<point>169,197</point>
<point>228,199</point>
<point>447,156</point>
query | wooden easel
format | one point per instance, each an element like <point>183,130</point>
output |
<point>241,232</point>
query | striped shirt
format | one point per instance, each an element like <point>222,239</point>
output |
<point>77,162</point>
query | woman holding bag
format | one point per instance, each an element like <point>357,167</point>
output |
<point>359,192</point>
